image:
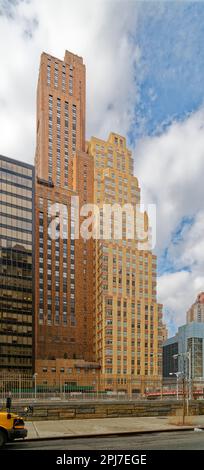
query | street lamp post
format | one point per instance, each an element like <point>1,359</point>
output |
<point>177,374</point>
<point>185,377</point>
<point>189,374</point>
<point>188,356</point>
<point>177,387</point>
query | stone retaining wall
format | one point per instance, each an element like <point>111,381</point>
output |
<point>107,410</point>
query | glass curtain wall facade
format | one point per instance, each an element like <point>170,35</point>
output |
<point>16,265</point>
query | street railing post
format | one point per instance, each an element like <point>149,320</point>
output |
<point>19,386</point>
<point>189,372</point>
<point>177,387</point>
<point>184,400</point>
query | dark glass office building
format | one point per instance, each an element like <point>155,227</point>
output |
<point>16,265</point>
<point>170,364</point>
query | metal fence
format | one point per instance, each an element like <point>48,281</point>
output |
<point>31,387</point>
<point>20,386</point>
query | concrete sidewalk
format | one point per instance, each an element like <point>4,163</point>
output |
<point>104,426</point>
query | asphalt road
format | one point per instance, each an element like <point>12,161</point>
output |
<point>187,440</point>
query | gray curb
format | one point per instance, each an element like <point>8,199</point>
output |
<point>110,434</point>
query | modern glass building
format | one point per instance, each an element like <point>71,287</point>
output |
<point>16,265</point>
<point>189,339</point>
<point>170,349</point>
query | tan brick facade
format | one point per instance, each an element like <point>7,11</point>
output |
<point>128,319</point>
<point>67,372</point>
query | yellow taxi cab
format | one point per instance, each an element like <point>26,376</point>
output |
<point>12,427</point>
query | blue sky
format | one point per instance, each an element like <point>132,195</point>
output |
<point>170,74</point>
<point>166,262</point>
<point>145,76</point>
<point>170,77</point>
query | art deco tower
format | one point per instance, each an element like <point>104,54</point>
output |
<point>63,267</point>
<point>128,319</point>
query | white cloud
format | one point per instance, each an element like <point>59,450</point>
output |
<point>169,166</point>
<point>97,30</point>
<point>170,169</point>
<point>171,288</point>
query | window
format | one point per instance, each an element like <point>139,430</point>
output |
<point>63,78</point>
<point>56,75</point>
<point>48,74</point>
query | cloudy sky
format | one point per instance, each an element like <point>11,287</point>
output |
<point>145,76</point>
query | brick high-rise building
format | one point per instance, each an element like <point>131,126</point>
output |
<point>64,266</point>
<point>164,332</point>
<point>128,319</point>
<point>196,311</point>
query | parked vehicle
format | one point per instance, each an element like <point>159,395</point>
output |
<point>12,427</point>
